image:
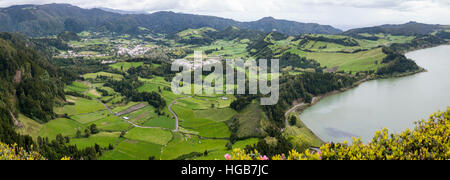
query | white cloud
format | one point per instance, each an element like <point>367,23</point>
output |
<point>340,13</point>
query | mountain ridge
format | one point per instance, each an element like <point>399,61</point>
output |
<point>51,19</point>
<point>409,28</point>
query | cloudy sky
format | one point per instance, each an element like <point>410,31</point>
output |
<point>343,14</point>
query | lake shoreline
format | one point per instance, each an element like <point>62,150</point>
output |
<point>299,110</point>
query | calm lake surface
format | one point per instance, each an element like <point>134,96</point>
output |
<point>389,103</point>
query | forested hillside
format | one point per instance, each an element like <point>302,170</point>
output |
<point>40,20</point>
<point>30,85</point>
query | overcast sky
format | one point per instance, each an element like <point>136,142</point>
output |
<point>342,14</point>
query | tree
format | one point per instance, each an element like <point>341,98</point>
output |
<point>87,133</point>
<point>98,149</point>
<point>293,120</point>
<point>308,98</point>
<point>93,129</point>
<point>78,135</point>
<point>110,147</point>
<point>234,138</point>
<point>229,146</point>
<point>122,134</point>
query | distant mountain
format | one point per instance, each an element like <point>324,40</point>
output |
<point>408,29</point>
<point>51,19</point>
<point>269,24</point>
<point>123,12</point>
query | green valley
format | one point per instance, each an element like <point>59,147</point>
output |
<point>103,90</point>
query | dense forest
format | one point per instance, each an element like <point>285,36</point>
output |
<point>28,77</point>
<point>396,63</point>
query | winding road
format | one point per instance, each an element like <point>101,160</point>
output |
<point>295,107</point>
<point>290,110</point>
<point>175,114</point>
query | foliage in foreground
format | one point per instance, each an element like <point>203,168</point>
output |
<point>15,153</point>
<point>430,140</point>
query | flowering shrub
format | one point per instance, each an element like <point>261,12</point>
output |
<point>430,140</point>
<point>239,154</point>
<point>13,152</point>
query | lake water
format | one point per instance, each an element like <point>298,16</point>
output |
<point>394,103</point>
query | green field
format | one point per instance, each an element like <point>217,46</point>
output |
<point>123,107</point>
<point>361,61</point>
<point>111,123</point>
<point>31,127</point>
<point>205,127</point>
<point>104,139</point>
<point>106,74</point>
<point>161,121</point>
<point>365,56</point>
<point>66,127</point>
<point>228,49</point>
<point>133,150</point>
<point>76,86</point>
<point>124,66</point>
<point>141,116</point>
<point>152,135</point>
<point>156,80</point>
<point>90,117</point>
<point>149,87</point>
<point>83,106</point>
<point>181,145</point>
<point>219,154</point>
<point>252,121</point>
<point>218,115</point>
